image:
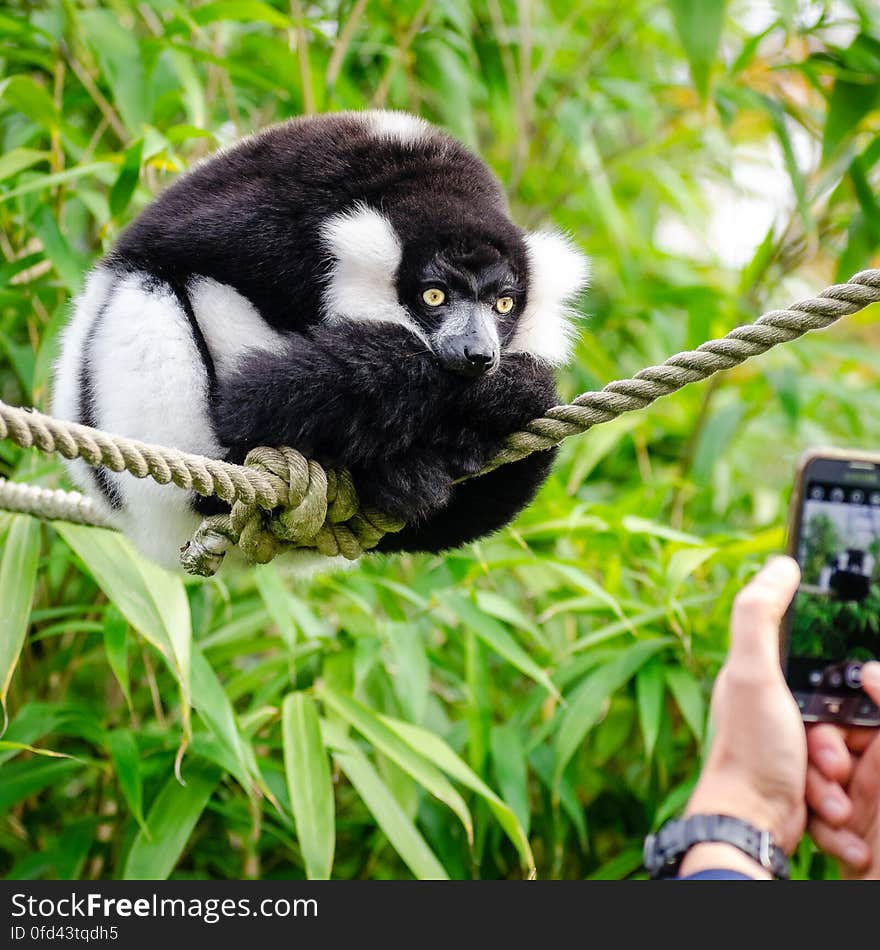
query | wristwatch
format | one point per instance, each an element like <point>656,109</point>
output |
<point>665,850</point>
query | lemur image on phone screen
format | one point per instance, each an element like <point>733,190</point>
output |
<point>833,625</point>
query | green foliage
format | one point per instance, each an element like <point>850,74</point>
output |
<point>826,627</point>
<point>534,703</point>
<point>821,543</point>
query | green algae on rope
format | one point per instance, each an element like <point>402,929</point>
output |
<point>280,500</point>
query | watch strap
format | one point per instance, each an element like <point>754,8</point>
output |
<point>665,850</point>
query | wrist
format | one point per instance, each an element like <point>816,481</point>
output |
<point>723,796</point>
<point>715,855</point>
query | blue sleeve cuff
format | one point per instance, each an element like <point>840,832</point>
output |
<point>717,874</point>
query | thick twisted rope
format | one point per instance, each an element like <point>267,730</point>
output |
<point>31,429</point>
<point>281,500</point>
<point>53,505</point>
<point>752,339</point>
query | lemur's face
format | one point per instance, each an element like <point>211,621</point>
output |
<point>468,297</point>
<point>466,302</point>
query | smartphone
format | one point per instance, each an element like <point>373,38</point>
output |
<point>833,624</point>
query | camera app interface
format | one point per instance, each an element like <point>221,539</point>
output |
<point>836,614</point>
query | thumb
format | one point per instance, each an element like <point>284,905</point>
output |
<point>871,680</point>
<point>757,612</point>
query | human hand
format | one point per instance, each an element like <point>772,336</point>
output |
<point>756,768</point>
<point>843,790</point>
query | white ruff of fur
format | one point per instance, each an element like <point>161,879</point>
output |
<point>558,272</point>
<point>366,253</point>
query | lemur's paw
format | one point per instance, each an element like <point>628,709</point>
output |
<point>409,492</point>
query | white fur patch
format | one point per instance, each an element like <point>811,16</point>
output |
<point>149,383</point>
<point>231,325</point>
<point>361,283</point>
<point>401,126</point>
<point>558,271</point>
<point>65,394</point>
<point>66,384</point>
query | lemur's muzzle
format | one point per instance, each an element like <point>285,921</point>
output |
<point>467,343</point>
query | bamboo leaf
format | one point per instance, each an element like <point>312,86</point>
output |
<point>587,705</point>
<point>30,98</point>
<point>18,575</point>
<point>150,598</point>
<point>116,649</point>
<point>246,11</point>
<point>684,562</point>
<point>27,777</point>
<point>308,782</point>
<point>126,766</point>
<point>277,601</point>
<point>68,264</point>
<point>158,847</point>
<point>386,741</point>
<point>439,752</point>
<point>509,763</point>
<point>124,186</point>
<point>493,634</point>
<point>650,688</point>
<point>383,806</point>
<point>57,178</point>
<point>214,707</point>
<point>119,54</point>
<point>855,93</point>
<point>698,23</point>
<point>17,159</point>
<point>688,695</point>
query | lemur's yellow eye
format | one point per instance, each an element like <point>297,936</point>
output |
<point>504,304</point>
<point>433,297</point>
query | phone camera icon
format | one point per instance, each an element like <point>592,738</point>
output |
<point>857,496</point>
<point>854,675</point>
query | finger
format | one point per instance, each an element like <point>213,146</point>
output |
<point>827,799</point>
<point>827,751</point>
<point>757,612</point>
<point>859,738</point>
<point>864,788</point>
<point>871,680</point>
<point>840,843</point>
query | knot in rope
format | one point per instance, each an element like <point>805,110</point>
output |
<point>317,509</point>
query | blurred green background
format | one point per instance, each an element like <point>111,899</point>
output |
<point>533,703</point>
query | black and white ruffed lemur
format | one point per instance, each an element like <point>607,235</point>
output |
<point>350,285</point>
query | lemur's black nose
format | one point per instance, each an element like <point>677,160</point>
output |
<point>479,359</point>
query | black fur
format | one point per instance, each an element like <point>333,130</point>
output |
<point>406,428</point>
<point>369,396</point>
<point>251,217</point>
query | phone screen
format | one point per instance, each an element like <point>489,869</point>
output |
<point>834,621</point>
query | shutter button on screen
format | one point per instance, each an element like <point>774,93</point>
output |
<point>854,675</point>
